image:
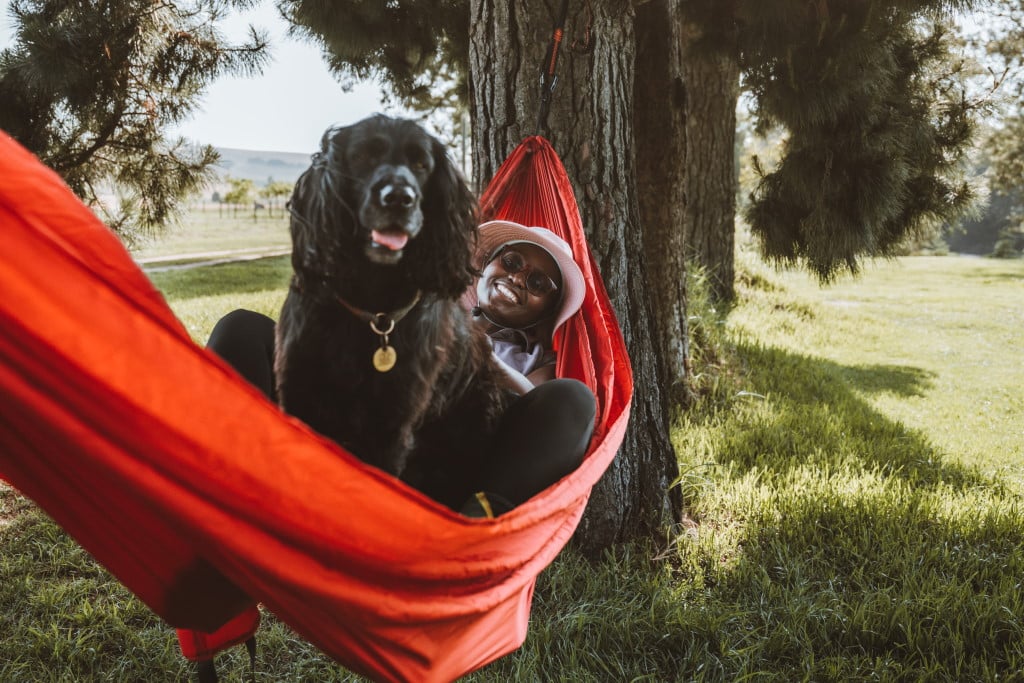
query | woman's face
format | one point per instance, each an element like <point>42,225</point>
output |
<point>520,286</point>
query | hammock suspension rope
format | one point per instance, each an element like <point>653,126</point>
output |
<point>548,80</point>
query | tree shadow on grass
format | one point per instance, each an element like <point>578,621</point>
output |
<point>883,583</point>
<point>1012,271</point>
<point>813,413</point>
<point>820,585</point>
<point>895,379</point>
<point>244,277</point>
<point>858,552</point>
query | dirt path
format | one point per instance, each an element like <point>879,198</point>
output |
<point>159,264</point>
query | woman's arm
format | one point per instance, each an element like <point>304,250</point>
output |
<point>542,374</point>
<point>520,382</point>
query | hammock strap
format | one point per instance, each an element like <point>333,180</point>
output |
<point>547,78</point>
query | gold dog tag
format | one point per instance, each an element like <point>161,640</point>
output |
<point>384,358</point>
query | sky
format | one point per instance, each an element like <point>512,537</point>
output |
<point>286,109</point>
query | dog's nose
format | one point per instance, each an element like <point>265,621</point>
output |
<point>397,196</point>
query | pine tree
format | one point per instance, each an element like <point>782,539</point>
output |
<point>92,88</point>
<point>418,49</point>
<point>1006,144</point>
<point>878,125</point>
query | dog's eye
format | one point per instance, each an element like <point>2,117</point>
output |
<point>366,157</point>
<point>368,152</point>
<point>418,159</point>
<point>420,165</point>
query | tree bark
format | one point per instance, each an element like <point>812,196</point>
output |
<point>711,77</point>
<point>661,135</point>
<point>591,127</point>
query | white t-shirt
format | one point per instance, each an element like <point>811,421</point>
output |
<point>513,347</point>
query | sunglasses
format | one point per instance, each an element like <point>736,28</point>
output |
<point>537,282</point>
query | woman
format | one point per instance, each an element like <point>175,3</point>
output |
<point>529,286</point>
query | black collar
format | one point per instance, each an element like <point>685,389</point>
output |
<point>380,321</point>
<point>382,324</point>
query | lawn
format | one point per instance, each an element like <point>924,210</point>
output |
<point>855,473</point>
<point>208,229</point>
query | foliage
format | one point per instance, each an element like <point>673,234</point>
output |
<point>387,40</point>
<point>978,234</point>
<point>93,87</point>
<point>871,100</point>
<point>277,189</point>
<point>425,72</point>
<point>1006,147</point>
<point>241,192</point>
<point>276,193</point>
<point>1006,144</point>
<point>878,125</point>
<point>1010,243</point>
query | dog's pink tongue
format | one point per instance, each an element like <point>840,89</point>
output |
<point>392,239</point>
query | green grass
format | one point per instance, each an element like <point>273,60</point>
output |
<point>854,478</point>
<point>933,343</point>
<point>201,296</point>
<point>211,229</point>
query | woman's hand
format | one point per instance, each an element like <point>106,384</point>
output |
<point>542,374</point>
<point>520,382</point>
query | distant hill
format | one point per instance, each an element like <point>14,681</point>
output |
<point>261,167</point>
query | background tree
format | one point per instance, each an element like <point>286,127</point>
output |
<point>875,127</point>
<point>1006,144</point>
<point>92,87</point>
<point>276,193</point>
<point>240,194</point>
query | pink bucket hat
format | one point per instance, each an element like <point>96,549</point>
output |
<point>496,234</point>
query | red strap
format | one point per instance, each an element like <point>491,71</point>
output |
<point>199,646</point>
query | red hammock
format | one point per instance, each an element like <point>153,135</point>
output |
<point>154,454</point>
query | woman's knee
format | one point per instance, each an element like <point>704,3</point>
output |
<point>564,410</point>
<point>245,340</point>
<point>241,324</point>
<point>567,400</point>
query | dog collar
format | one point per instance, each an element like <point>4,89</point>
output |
<point>382,324</point>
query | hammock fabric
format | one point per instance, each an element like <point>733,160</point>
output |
<point>182,480</point>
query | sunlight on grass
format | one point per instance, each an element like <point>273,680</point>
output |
<point>932,342</point>
<point>216,230</point>
<point>859,511</point>
<point>202,296</point>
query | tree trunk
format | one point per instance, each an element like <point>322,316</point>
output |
<point>661,186</point>
<point>711,78</point>
<point>591,127</point>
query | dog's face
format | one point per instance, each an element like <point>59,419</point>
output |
<point>383,189</point>
<point>390,162</point>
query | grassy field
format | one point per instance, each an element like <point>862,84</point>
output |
<point>855,473</point>
<point>217,229</point>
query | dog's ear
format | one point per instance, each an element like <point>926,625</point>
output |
<point>450,225</point>
<point>318,207</point>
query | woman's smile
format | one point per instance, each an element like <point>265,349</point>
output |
<point>508,291</point>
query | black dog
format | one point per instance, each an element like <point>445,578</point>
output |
<point>373,349</point>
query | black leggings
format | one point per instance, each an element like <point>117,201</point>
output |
<point>542,437</point>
